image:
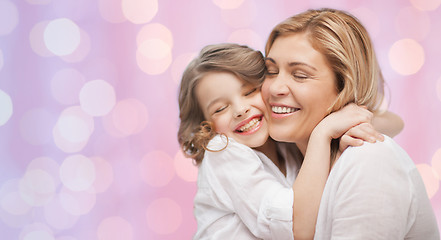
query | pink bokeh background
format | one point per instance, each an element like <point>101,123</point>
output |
<point>89,113</point>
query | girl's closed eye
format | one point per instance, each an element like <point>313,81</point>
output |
<point>220,109</point>
<point>253,90</point>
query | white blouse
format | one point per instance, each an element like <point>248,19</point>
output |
<point>242,194</point>
<point>375,192</point>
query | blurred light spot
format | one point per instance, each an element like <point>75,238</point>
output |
<point>111,11</point>
<point>77,172</point>
<point>228,4</point>
<point>48,165</point>
<point>430,178</point>
<point>77,203</point>
<point>247,37</point>
<point>36,231</point>
<point>436,163</point>
<point>369,19</point>
<point>185,168</point>
<point>2,61</point>
<point>406,56</point>
<point>426,5</point>
<point>97,98</point>
<point>179,64</point>
<point>36,125</point>
<point>7,188</point>
<point>164,216</point>
<point>156,168</point>
<point>115,228</point>
<point>14,204</point>
<point>153,56</point>
<point>36,38</point>
<point>72,138</point>
<point>411,23</point>
<point>155,31</point>
<point>6,108</point>
<point>66,85</point>
<point>129,116</point>
<point>57,217</point>
<point>62,36</point>
<point>81,51</point>
<point>139,11</point>
<point>39,2</point>
<point>8,17</point>
<point>240,17</point>
<point>103,174</point>
<point>37,187</point>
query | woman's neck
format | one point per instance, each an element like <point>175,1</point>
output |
<point>270,150</point>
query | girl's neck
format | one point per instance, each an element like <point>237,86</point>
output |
<point>270,150</point>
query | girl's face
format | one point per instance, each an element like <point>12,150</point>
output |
<point>298,90</point>
<point>235,107</point>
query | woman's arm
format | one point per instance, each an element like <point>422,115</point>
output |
<point>310,182</point>
<point>388,123</point>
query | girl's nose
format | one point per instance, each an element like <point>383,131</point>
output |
<point>241,111</point>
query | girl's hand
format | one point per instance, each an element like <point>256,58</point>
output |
<point>359,133</point>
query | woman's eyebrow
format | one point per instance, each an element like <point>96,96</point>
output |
<point>301,64</point>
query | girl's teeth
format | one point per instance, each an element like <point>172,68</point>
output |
<point>249,125</point>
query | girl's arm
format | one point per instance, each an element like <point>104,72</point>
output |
<point>310,182</point>
<point>388,123</point>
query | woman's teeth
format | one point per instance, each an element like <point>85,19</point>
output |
<point>283,109</point>
<point>250,125</point>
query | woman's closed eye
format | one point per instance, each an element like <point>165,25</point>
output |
<point>300,75</point>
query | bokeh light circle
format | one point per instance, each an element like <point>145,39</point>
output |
<point>153,56</point>
<point>6,108</point>
<point>185,168</point>
<point>411,23</point>
<point>57,217</point>
<point>8,17</point>
<point>156,168</point>
<point>164,216</point>
<point>36,125</point>
<point>430,178</point>
<point>81,52</point>
<point>66,85</point>
<point>77,203</point>
<point>62,36</point>
<point>139,11</point>
<point>37,187</point>
<point>110,10</point>
<point>103,174</point>
<point>36,39</point>
<point>14,211</point>
<point>406,56</point>
<point>436,162</point>
<point>228,4</point>
<point>77,172</point>
<point>48,165</point>
<point>155,31</point>
<point>129,116</point>
<point>426,5</point>
<point>115,228</point>
<point>97,98</point>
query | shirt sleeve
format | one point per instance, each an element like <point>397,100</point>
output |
<point>238,176</point>
<point>371,194</point>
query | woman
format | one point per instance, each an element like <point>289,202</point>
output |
<point>317,62</point>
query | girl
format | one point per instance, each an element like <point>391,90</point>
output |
<point>245,193</point>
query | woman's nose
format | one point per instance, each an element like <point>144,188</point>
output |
<point>278,86</point>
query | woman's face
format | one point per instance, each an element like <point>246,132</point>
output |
<point>298,90</point>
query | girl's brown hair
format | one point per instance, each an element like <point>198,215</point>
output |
<point>247,64</point>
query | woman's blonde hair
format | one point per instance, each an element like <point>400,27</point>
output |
<point>245,63</point>
<point>347,47</point>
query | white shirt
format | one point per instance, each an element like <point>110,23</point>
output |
<point>375,192</point>
<point>242,194</point>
